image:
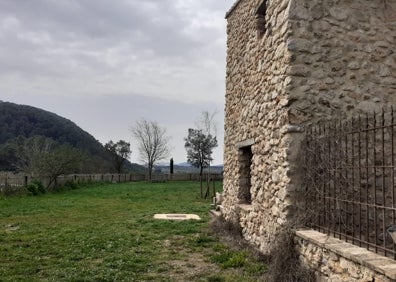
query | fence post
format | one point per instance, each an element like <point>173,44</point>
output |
<point>214,187</point>
<point>25,181</point>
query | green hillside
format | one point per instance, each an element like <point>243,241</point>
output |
<point>26,121</point>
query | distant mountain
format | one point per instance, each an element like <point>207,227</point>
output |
<point>219,166</point>
<point>189,165</point>
<point>26,121</point>
<point>184,164</point>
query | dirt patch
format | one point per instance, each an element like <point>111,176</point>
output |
<point>193,266</point>
<point>186,263</point>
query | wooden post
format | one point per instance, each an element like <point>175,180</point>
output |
<point>171,168</point>
<point>214,188</point>
<point>200,180</point>
<point>208,183</point>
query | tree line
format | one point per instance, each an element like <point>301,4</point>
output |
<point>39,152</point>
<point>153,144</point>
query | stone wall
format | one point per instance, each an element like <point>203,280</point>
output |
<point>256,116</point>
<point>333,260</point>
<point>343,57</point>
<point>315,60</point>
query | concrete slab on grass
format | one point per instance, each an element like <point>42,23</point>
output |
<point>176,216</point>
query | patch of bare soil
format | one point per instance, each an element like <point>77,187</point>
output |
<point>183,263</point>
<point>192,268</point>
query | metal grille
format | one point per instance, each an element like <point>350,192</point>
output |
<point>350,180</point>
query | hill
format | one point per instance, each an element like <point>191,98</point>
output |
<point>20,120</point>
<point>26,121</point>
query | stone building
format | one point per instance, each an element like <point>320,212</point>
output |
<point>291,63</point>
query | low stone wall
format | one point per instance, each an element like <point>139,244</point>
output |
<point>334,260</point>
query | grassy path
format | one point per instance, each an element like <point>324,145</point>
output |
<point>107,233</point>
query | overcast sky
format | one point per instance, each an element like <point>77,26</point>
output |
<point>106,64</point>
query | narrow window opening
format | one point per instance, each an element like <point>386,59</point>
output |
<point>260,19</point>
<point>245,162</point>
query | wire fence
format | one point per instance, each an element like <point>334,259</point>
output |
<point>350,180</point>
<point>15,184</point>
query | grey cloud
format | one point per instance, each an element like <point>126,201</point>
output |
<point>91,39</point>
<point>105,22</point>
<point>59,54</point>
<point>56,38</point>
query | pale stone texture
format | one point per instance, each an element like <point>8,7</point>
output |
<point>316,60</point>
<point>335,260</point>
<point>257,109</point>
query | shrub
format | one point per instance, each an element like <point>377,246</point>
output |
<point>285,265</point>
<point>230,259</point>
<point>36,187</point>
<point>71,184</point>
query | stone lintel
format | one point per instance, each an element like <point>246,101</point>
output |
<point>245,143</point>
<point>358,255</point>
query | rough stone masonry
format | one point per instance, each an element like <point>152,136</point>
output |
<point>291,63</point>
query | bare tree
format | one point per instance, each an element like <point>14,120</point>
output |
<point>206,122</point>
<point>32,154</point>
<point>43,157</point>
<point>153,143</point>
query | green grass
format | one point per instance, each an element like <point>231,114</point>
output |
<point>107,233</point>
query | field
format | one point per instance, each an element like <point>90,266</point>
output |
<point>106,232</point>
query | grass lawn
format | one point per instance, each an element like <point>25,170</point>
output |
<point>107,233</point>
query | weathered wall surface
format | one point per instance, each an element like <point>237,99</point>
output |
<point>317,59</point>
<point>344,57</point>
<point>255,111</point>
<point>334,260</point>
